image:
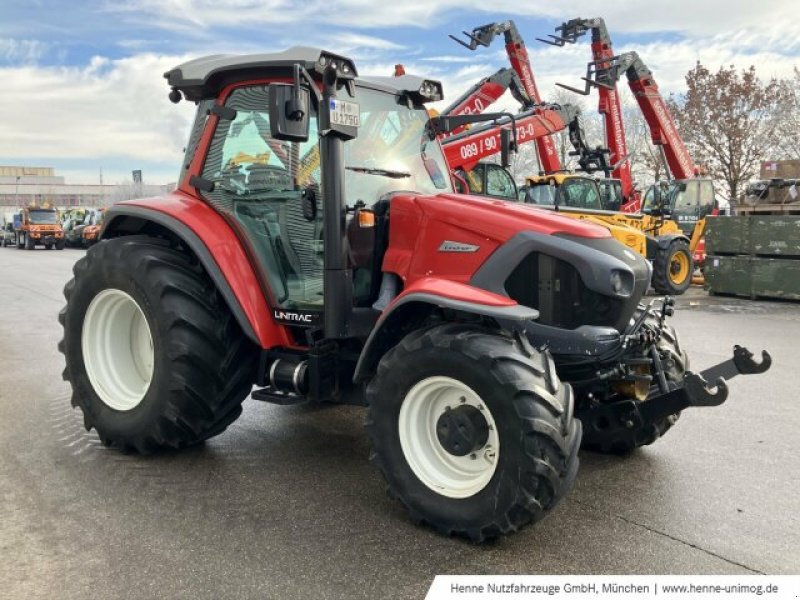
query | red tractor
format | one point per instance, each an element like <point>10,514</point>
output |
<point>455,319</point>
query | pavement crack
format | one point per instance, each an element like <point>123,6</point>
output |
<point>675,539</point>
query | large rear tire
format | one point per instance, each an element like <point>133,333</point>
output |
<point>673,267</point>
<point>675,362</point>
<point>472,430</point>
<point>154,356</point>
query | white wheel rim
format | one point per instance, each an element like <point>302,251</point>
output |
<point>117,349</point>
<point>444,473</point>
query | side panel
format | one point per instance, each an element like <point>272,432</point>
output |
<point>229,263</point>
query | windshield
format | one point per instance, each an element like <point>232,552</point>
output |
<point>542,194</point>
<point>667,196</point>
<point>43,217</point>
<point>611,190</point>
<point>392,151</point>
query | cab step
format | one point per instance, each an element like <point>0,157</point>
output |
<point>269,394</point>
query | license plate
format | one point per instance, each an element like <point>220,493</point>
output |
<point>345,113</point>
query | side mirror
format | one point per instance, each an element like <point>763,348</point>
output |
<point>507,146</point>
<point>288,112</point>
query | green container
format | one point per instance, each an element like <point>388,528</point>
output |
<point>727,235</point>
<point>775,235</point>
<point>776,278</point>
<point>728,275</point>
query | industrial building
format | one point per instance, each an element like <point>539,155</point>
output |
<point>25,186</point>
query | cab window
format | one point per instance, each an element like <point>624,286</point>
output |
<point>581,193</point>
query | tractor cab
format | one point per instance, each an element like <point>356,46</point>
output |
<point>271,183</point>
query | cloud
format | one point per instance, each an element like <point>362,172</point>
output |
<point>104,110</point>
<point>688,17</point>
<point>21,51</point>
<point>116,110</point>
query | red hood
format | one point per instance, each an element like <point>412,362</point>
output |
<point>501,219</point>
<point>420,225</point>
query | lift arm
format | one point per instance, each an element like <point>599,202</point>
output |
<point>486,92</point>
<point>520,63</point>
<point>467,148</point>
<point>663,131</point>
<point>608,97</point>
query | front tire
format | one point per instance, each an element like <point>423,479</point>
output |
<point>472,430</point>
<point>154,356</point>
<point>672,269</point>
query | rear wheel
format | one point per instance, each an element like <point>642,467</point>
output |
<point>472,430</point>
<point>154,356</point>
<point>672,269</point>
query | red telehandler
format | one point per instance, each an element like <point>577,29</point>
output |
<point>686,198</point>
<point>608,103</point>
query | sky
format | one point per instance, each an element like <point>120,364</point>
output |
<point>83,88</point>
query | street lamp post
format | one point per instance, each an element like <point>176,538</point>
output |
<point>16,193</point>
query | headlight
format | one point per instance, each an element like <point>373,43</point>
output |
<point>621,282</point>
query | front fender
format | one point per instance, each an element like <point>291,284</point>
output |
<point>662,242</point>
<point>419,300</point>
<point>217,248</point>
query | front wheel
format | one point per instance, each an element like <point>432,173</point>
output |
<point>472,430</point>
<point>154,356</point>
<point>60,244</point>
<point>30,243</point>
<point>672,269</point>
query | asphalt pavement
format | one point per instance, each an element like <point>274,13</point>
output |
<point>285,504</point>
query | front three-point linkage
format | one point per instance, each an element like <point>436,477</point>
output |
<point>623,418</point>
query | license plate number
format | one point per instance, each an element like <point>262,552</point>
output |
<point>345,113</point>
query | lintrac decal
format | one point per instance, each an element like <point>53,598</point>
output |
<point>450,246</point>
<point>294,317</point>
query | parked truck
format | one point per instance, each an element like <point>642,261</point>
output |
<point>35,226</point>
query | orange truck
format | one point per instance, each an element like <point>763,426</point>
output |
<point>91,232</point>
<point>35,226</point>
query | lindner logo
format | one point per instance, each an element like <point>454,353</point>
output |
<point>283,315</point>
<point>450,246</point>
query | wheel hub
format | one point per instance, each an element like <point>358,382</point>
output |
<point>462,430</point>
<point>117,349</point>
<point>448,436</point>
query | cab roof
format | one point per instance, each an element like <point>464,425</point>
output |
<point>203,78</point>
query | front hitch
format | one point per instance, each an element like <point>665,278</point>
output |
<point>625,417</point>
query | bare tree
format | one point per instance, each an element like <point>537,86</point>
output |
<point>788,117</point>
<point>727,120</point>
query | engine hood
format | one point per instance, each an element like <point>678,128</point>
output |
<point>501,219</point>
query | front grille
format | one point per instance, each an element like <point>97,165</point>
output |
<point>556,290</point>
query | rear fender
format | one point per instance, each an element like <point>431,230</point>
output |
<point>217,248</point>
<point>423,298</point>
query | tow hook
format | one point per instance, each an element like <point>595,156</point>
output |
<point>624,417</point>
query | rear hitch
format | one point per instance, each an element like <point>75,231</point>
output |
<point>628,416</point>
